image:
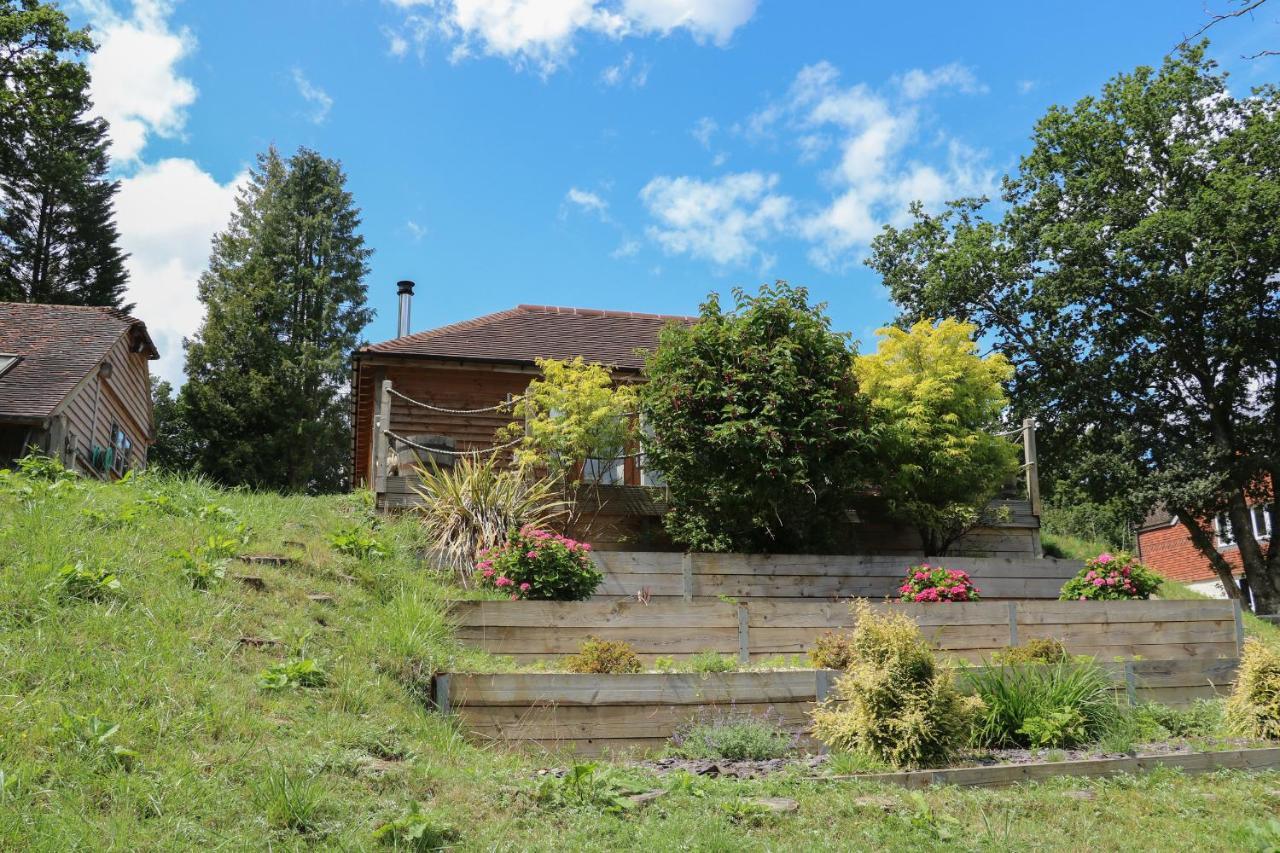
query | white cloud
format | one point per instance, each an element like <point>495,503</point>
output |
<point>588,201</point>
<point>168,212</point>
<point>416,231</point>
<point>724,220</point>
<point>917,83</point>
<point>319,99</point>
<point>628,70</point>
<point>703,130</point>
<point>629,248</point>
<point>1027,86</point>
<point>541,33</point>
<point>136,85</point>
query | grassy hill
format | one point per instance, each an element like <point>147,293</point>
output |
<point>147,703</point>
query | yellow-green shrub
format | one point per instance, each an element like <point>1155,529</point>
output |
<point>1039,650</point>
<point>604,656</point>
<point>1253,709</point>
<point>896,703</point>
<point>832,650</point>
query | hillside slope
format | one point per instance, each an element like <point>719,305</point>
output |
<point>138,711</point>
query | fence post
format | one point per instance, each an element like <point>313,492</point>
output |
<point>381,423</point>
<point>822,685</point>
<point>1032,473</point>
<point>686,571</point>
<point>440,689</point>
<point>744,636</point>
<point>1238,614</point>
<point>1013,623</point>
<point>1130,685</point>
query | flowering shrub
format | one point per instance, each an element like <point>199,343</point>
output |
<point>934,583</point>
<point>539,564</point>
<point>1108,577</point>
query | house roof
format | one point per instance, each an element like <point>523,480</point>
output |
<point>57,345</point>
<point>526,333</point>
<point>1158,517</point>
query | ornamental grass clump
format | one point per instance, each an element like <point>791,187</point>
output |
<point>1059,705</point>
<point>896,703</point>
<point>1111,577</point>
<point>540,565</point>
<point>1253,709</point>
<point>935,583</point>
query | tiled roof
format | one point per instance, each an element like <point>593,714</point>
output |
<point>58,346</point>
<point>527,332</point>
<point>1158,517</point>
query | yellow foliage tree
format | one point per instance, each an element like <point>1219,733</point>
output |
<point>937,404</point>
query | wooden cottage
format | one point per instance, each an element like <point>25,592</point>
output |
<point>75,383</point>
<point>444,388</point>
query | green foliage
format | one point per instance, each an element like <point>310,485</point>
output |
<point>852,763</point>
<point>1039,650</point>
<point>267,372</point>
<point>734,736</point>
<point>711,661</point>
<point>540,565</point>
<point>938,405</point>
<point>1154,201</point>
<point>604,656</point>
<point>176,447</point>
<point>292,802</point>
<point>87,582</point>
<point>299,672</point>
<point>1202,718</point>
<point>1111,577</point>
<point>198,567</point>
<point>92,737</point>
<point>758,428</point>
<point>1062,704</point>
<point>355,541</point>
<point>58,237</point>
<point>832,650</point>
<point>895,704</point>
<point>471,507</point>
<point>416,830</point>
<point>584,786</point>
<point>1253,709</point>
<point>572,412</point>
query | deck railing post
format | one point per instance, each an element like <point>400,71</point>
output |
<point>381,423</point>
<point>1032,473</point>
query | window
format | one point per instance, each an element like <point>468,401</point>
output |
<point>602,472</point>
<point>120,447</point>
<point>1222,531</point>
<point>1261,516</point>
<point>649,476</point>
<point>7,361</point>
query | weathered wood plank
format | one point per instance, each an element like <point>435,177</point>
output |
<point>642,689</point>
<point>589,614</point>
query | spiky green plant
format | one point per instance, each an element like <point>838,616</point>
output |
<point>474,504</point>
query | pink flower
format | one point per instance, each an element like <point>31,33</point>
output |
<point>484,564</point>
<point>526,586</point>
<point>1104,558</point>
<point>503,581</point>
<point>921,576</point>
<point>1084,598</point>
<point>515,597</point>
<point>487,573</point>
<point>532,555</point>
<point>1098,581</point>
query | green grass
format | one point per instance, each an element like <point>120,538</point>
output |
<point>135,717</point>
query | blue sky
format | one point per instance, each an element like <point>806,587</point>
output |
<point>626,154</point>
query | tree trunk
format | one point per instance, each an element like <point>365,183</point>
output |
<point>1203,541</point>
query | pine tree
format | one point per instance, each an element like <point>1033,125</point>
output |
<point>268,372</point>
<point>58,238</point>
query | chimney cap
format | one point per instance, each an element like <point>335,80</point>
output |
<point>403,287</point>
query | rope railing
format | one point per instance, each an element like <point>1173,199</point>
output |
<point>416,446</point>
<point>499,407</point>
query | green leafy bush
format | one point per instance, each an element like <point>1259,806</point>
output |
<point>1063,704</point>
<point>200,571</point>
<point>734,737</point>
<point>710,661</point>
<point>1202,718</point>
<point>541,565</point>
<point>832,650</point>
<point>926,583</point>
<point>299,672</point>
<point>757,425</point>
<point>355,541</point>
<point>896,703</point>
<point>585,786</point>
<point>604,656</point>
<point>1037,650</point>
<point>80,582</point>
<point>1253,708</point>
<point>1111,577</point>
<point>416,830</point>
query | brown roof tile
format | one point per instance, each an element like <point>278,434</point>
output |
<point>58,345</point>
<point>525,333</point>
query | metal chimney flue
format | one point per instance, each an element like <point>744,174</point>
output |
<point>405,289</point>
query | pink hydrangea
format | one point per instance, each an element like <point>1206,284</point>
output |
<point>1104,558</point>
<point>503,581</point>
<point>526,586</point>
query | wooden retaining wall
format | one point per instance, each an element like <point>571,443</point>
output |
<point>539,630</point>
<point>692,576</point>
<point>590,714</point>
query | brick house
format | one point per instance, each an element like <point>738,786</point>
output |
<point>75,383</point>
<point>1166,546</point>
